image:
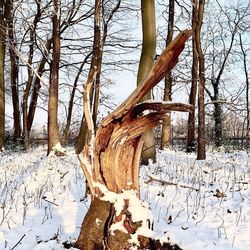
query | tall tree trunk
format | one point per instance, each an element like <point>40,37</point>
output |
<point>166,121</point>
<point>145,65</point>
<point>2,85</point>
<point>53,131</point>
<point>71,103</point>
<point>95,69</point>
<point>247,88</point>
<point>191,142</point>
<point>37,85</point>
<point>218,123</point>
<point>111,161</point>
<point>30,76</point>
<point>201,107</point>
<point>14,61</point>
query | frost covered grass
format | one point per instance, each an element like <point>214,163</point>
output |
<point>196,204</point>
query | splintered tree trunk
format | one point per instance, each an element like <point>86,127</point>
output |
<point>2,88</point>
<point>166,121</point>
<point>145,65</point>
<point>111,161</point>
<point>53,133</point>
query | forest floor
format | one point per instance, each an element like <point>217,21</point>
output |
<point>196,204</point>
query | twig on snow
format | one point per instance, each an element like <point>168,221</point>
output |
<point>151,179</point>
<point>18,242</point>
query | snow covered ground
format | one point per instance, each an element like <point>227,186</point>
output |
<point>196,204</point>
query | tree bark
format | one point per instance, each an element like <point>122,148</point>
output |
<point>166,121</point>
<point>201,107</point>
<point>247,88</point>
<point>218,123</point>
<point>95,69</point>
<point>53,132</point>
<point>26,131</point>
<point>191,142</point>
<point>37,85</point>
<point>71,103</point>
<point>145,65</point>
<point>111,161</point>
<point>2,85</point>
<point>14,61</point>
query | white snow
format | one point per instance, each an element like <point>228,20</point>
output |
<point>42,200</point>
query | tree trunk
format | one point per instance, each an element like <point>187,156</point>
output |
<point>145,65</point>
<point>247,88</point>
<point>53,133</point>
<point>166,121</point>
<point>71,103</point>
<point>218,123</point>
<point>111,161</point>
<point>95,69</point>
<point>14,61</point>
<point>201,107</point>
<point>2,85</point>
<point>191,142</point>
<point>30,76</point>
<point>37,86</point>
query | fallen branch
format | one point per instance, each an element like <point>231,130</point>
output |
<point>51,202</point>
<point>151,179</point>
<point>18,242</point>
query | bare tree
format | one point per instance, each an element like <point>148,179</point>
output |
<point>53,132</point>
<point>201,154</point>
<point>100,37</point>
<point>224,38</point>
<point>14,62</point>
<point>244,53</point>
<point>145,65</point>
<point>191,142</point>
<point>32,30</point>
<point>2,62</point>
<point>166,121</point>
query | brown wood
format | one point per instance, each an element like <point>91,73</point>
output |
<point>201,154</point>
<point>191,141</point>
<point>2,84</point>
<point>147,56</point>
<point>14,59</point>
<point>166,121</point>
<point>53,131</point>
<point>26,131</point>
<point>111,158</point>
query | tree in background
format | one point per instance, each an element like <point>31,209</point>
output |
<point>14,68</point>
<point>94,75</point>
<point>244,55</point>
<point>53,132</point>
<point>201,154</point>
<point>2,62</point>
<point>191,141</point>
<point>145,65</point>
<point>166,121</point>
<point>222,56</point>
<point>28,85</point>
